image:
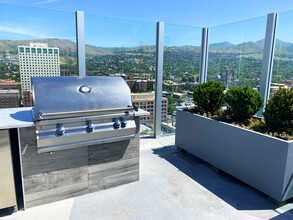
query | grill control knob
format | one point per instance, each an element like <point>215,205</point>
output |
<point>90,127</point>
<point>123,124</point>
<point>60,130</point>
<point>116,124</point>
<point>40,115</point>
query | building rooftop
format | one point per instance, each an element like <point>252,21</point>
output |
<point>144,96</point>
<point>170,82</point>
<point>184,187</point>
<point>10,83</point>
<point>9,91</point>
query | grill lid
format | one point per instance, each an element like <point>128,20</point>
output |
<point>56,97</point>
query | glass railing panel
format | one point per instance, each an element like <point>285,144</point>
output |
<point>236,52</point>
<point>283,58</point>
<point>33,42</point>
<point>181,71</point>
<point>124,48</point>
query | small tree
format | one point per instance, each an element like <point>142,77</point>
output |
<point>278,113</point>
<point>209,97</point>
<point>243,103</point>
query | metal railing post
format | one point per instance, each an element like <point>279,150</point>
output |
<point>80,43</point>
<point>268,59</point>
<point>159,79</point>
<point>204,55</point>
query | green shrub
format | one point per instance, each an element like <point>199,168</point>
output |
<point>209,97</point>
<point>278,113</point>
<point>243,103</point>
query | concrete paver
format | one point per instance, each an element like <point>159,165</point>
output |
<point>172,185</point>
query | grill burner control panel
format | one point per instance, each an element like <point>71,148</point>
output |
<point>60,130</point>
<point>61,134</point>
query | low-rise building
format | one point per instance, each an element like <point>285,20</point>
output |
<point>171,86</point>
<point>178,95</point>
<point>146,101</point>
<point>9,98</point>
<point>165,93</point>
<point>7,59</point>
<point>27,99</point>
<point>288,83</point>
<point>140,85</point>
<point>275,87</point>
<point>10,85</point>
<point>65,73</point>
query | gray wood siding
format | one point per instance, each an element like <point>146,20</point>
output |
<point>50,177</point>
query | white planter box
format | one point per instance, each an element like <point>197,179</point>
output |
<point>261,161</point>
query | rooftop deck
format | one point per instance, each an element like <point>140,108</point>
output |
<point>173,185</point>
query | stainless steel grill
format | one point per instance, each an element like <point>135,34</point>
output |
<point>71,112</point>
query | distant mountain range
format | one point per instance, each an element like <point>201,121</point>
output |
<point>283,49</point>
<point>222,44</point>
<point>63,45</point>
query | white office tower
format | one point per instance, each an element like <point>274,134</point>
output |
<point>37,60</point>
<point>34,61</point>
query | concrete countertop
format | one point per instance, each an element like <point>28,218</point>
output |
<point>16,118</point>
<point>22,117</point>
<point>141,112</point>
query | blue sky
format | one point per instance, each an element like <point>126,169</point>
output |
<point>138,26</point>
<point>186,12</point>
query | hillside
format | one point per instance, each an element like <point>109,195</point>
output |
<point>284,50</point>
<point>65,46</point>
<point>222,44</point>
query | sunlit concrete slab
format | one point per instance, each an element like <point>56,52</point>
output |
<point>172,185</point>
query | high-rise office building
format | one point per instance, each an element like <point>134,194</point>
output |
<point>36,60</point>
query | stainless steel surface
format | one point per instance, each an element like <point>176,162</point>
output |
<point>123,124</point>
<point>77,134</point>
<point>85,143</point>
<point>90,127</point>
<point>77,111</point>
<point>88,118</point>
<point>21,205</point>
<point>7,188</point>
<point>54,96</point>
<point>117,124</point>
<point>204,53</point>
<point>268,59</point>
<point>159,78</point>
<point>80,43</point>
<point>82,113</point>
<point>85,89</point>
<point>60,130</point>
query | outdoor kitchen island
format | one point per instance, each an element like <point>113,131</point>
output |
<point>49,169</point>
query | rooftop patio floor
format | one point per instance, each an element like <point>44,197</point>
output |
<point>172,185</point>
